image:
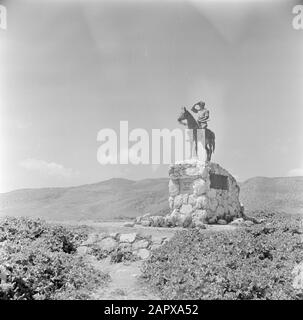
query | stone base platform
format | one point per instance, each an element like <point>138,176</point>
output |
<point>200,193</point>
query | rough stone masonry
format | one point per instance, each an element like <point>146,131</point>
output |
<point>199,193</point>
<point>202,193</point>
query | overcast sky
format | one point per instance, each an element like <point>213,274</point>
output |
<point>71,68</point>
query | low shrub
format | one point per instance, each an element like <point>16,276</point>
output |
<point>121,255</point>
<point>249,263</point>
<point>39,261</point>
<point>99,252</point>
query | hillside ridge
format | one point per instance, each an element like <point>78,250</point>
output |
<point>120,198</point>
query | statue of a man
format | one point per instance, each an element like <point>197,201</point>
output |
<point>200,137</point>
<point>203,114</point>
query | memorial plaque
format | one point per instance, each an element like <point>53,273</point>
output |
<point>186,185</point>
<point>218,181</point>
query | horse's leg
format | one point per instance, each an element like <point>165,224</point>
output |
<point>191,149</point>
<point>194,150</point>
<point>208,152</point>
<point>195,138</point>
<point>189,144</point>
<point>193,145</point>
<point>201,150</point>
<point>206,146</point>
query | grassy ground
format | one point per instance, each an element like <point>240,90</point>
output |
<point>220,262</point>
<point>252,263</point>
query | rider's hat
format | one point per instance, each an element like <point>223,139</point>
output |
<point>198,106</point>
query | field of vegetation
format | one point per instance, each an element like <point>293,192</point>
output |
<point>38,261</point>
<point>251,263</point>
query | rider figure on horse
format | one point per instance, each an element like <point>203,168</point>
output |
<point>203,114</point>
<point>196,135</point>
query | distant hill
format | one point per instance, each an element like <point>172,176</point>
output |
<point>111,199</point>
<point>283,194</point>
<point>122,198</point>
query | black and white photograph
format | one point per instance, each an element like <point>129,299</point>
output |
<point>151,150</point>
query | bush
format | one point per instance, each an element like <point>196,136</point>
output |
<point>121,255</point>
<point>40,262</point>
<point>249,263</point>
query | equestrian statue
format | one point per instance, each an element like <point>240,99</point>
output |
<point>200,137</point>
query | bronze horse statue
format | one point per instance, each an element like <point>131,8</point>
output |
<point>193,124</point>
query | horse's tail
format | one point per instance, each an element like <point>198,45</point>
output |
<point>212,139</point>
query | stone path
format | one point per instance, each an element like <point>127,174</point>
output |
<point>118,226</point>
<point>126,283</point>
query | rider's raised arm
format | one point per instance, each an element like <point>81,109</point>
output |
<point>193,108</point>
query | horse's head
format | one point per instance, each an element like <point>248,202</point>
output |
<point>183,115</point>
<point>186,115</point>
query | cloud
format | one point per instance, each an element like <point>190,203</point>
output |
<point>47,168</point>
<point>295,172</point>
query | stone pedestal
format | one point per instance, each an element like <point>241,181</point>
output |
<point>201,193</point>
